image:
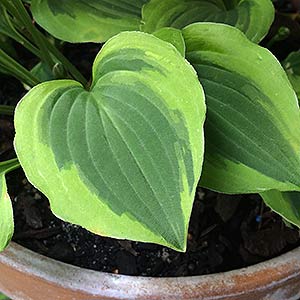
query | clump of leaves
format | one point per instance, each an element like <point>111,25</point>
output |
<point>123,156</point>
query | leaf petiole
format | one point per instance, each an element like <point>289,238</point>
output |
<point>12,67</point>
<point>7,110</point>
<point>46,51</point>
<point>9,165</point>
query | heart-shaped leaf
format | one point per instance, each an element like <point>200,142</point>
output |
<point>123,159</point>
<point>87,20</point>
<point>6,211</point>
<point>253,17</point>
<point>253,125</point>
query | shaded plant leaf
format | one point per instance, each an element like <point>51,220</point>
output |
<point>172,36</point>
<point>43,72</point>
<point>292,67</point>
<point>87,20</point>
<point>253,17</point>
<point>253,126</point>
<point>286,204</point>
<point>6,215</point>
<point>6,211</point>
<point>5,27</point>
<point>3,297</point>
<point>7,45</point>
<point>227,205</point>
<point>123,159</point>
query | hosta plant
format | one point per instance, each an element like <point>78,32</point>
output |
<point>181,95</point>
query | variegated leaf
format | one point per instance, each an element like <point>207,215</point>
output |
<point>253,17</point>
<point>6,212</point>
<point>253,125</point>
<point>87,20</point>
<point>124,158</point>
<point>286,204</point>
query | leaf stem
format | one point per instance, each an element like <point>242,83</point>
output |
<point>9,165</point>
<point>66,63</point>
<point>282,34</point>
<point>7,110</point>
<point>14,34</point>
<point>46,49</point>
<point>12,67</point>
<point>24,17</point>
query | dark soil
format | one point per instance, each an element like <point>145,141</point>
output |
<point>226,232</point>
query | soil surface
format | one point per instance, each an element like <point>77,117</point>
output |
<point>225,233</point>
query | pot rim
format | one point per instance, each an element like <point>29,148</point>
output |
<point>260,277</point>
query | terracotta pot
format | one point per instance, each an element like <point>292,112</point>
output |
<point>27,275</point>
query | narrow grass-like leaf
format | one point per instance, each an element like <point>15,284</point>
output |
<point>87,20</point>
<point>253,17</point>
<point>253,125</point>
<point>124,158</point>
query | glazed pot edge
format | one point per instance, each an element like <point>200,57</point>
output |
<point>262,277</point>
